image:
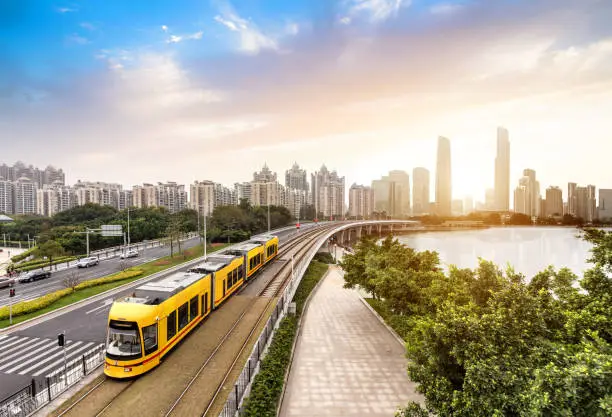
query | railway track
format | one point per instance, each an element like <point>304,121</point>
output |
<point>272,289</point>
<point>101,398</point>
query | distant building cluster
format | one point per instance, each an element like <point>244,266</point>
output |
<point>29,190</point>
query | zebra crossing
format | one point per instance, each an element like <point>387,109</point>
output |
<point>36,356</point>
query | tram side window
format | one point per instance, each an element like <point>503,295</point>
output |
<point>204,303</point>
<point>149,334</point>
<point>193,308</point>
<point>171,325</point>
<point>183,316</point>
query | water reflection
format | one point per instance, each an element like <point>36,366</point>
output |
<point>528,249</point>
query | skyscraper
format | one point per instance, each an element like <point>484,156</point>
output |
<point>502,171</point>
<point>554,201</point>
<point>420,191</point>
<point>572,204</point>
<point>443,178</point>
<point>605,204</point>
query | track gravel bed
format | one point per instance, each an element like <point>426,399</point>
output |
<point>153,393</point>
<point>196,400</point>
<point>99,398</point>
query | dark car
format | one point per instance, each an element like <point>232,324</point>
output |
<point>34,276</point>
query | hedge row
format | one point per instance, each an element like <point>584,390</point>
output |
<point>27,307</point>
<point>22,255</point>
<point>112,278</point>
<point>32,267</point>
<point>268,383</point>
<point>43,262</point>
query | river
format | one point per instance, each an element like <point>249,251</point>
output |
<point>528,249</point>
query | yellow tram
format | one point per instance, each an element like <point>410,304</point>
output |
<point>145,326</point>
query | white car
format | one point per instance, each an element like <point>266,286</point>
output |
<point>129,254</point>
<point>87,262</point>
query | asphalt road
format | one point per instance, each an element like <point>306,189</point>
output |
<point>33,353</point>
<point>31,290</point>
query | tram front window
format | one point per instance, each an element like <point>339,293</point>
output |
<point>123,344</point>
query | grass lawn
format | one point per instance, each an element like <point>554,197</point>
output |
<point>148,268</point>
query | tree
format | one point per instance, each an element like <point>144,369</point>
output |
<point>72,279</point>
<point>486,342</point>
<point>520,219</point>
<point>174,231</point>
<point>49,249</point>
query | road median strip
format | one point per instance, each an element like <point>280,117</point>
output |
<point>90,291</point>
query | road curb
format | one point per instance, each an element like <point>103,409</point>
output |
<point>380,319</point>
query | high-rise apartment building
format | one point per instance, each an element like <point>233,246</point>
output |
<point>328,193</point>
<point>572,204</point>
<point>48,176</point>
<point>420,191</point>
<point>24,196</point>
<point>502,171</point>
<point>242,191</point>
<point>605,204</point>
<point>361,201</point>
<point>457,207</point>
<point>206,195</point>
<point>170,195</point>
<point>527,198</point>
<point>265,175</point>
<point>491,199</point>
<point>392,194</point>
<point>53,199</point>
<point>295,200</point>
<point>6,196</point>
<point>554,202</point>
<point>296,178</point>
<point>586,204</point>
<point>443,178</point>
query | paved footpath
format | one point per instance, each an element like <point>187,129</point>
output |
<point>346,362</point>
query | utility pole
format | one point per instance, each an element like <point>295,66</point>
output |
<point>128,232</point>
<point>87,239</point>
<point>205,238</point>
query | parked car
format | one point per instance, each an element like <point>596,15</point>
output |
<point>6,282</point>
<point>34,276</point>
<point>132,253</point>
<point>87,262</point>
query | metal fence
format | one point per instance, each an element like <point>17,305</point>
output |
<point>42,391</point>
<point>242,387</point>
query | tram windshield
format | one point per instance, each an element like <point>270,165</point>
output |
<point>123,343</point>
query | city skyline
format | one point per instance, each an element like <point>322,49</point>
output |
<point>236,82</point>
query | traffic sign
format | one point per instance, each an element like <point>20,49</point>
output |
<point>112,230</point>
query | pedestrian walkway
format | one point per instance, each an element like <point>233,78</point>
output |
<point>346,362</point>
<point>35,356</point>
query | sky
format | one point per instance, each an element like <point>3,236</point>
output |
<point>158,90</point>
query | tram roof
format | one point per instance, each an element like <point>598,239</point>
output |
<point>158,291</point>
<point>214,263</point>
<point>245,247</point>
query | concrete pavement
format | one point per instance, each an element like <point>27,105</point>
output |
<point>346,362</point>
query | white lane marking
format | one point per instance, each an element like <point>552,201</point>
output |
<point>3,337</point>
<point>33,342</point>
<point>105,304</point>
<point>57,351</point>
<point>61,361</point>
<point>10,342</point>
<point>32,354</point>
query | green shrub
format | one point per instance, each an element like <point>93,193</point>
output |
<point>26,307</point>
<point>324,257</point>
<point>127,274</point>
<point>42,262</point>
<point>268,383</point>
<point>22,255</point>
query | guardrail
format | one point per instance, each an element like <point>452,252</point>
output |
<point>42,391</point>
<point>242,387</point>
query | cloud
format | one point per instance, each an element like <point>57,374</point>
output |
<point>376,10</point>
<point>414,76</point>
<point>445,8</point>
<point>79,40</point>
<point>177,38</point>
<point>252,39</point>
<point>87,25</point>
<point>164,28</point>
<point>67,9</point>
